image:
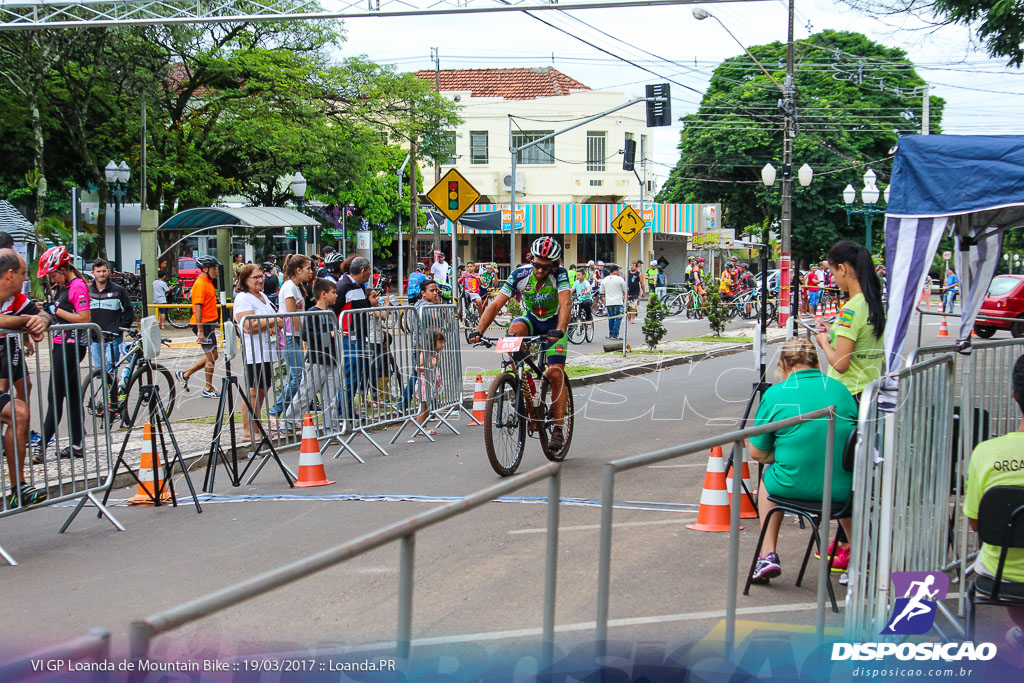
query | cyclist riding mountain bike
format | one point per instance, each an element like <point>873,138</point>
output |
<point>472,286</point>
<point>547,299</point>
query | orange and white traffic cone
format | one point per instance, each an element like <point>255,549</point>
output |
<point>149,473</point>
<point>943,329</point>
<point>311,463</point>
<point>713,514</point>
<point>479,401</point>
<point>747,510</point>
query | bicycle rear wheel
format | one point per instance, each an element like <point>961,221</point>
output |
<point>162,378</point>
<point>549,420</point>
<point>94,399</point>
<point>504,425</point>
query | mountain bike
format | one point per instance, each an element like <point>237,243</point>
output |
<point>123,388</point>
<point>692,304</point>
<point>580,329</point>
<point>675,301</point>
<point>515,408</point>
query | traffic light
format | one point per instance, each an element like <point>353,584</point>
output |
<point>453,195</point>
<point>629,155</point>
<point>659,113</point>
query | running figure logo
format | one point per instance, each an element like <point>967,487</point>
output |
<point>914,613</point>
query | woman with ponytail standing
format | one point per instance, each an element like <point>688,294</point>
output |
<point>853,344</point>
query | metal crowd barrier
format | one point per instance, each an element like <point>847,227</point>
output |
<point>902,494</point>
<point>294,383</point>
<point>446,400</point>
<point>53,661</point>
<point>53,375</point>
<point>936,314</point>
<point>142,632</point>
<point>983,382</point>
<point>735,438</point>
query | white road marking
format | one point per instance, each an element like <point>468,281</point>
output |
<point>592,527</point>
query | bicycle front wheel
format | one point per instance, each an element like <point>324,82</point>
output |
<point>675,304</point>
<point>546,399</point>
<point>504,425</point>
<point>162,378</point>
<point>577,333</point>
<point>588,327</point>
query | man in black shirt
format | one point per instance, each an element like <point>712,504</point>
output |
<point>634,288</point>
<point>111,309</point>
<point>352,297</point>
<point>271,283</point>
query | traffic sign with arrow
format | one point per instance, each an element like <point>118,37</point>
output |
<point>628,224</point>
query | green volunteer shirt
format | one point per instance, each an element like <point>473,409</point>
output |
<point>996,462</point>
<point>799,467</point>
<point>866,360</point>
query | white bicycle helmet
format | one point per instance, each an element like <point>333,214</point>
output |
<point>333,257</point>
<point>546,247</point>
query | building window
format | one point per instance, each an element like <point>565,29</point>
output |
<point>595,150</point>
<point>478,146</point>
<point>596,183</point>
<point>595,248</point>
<point>544,153</point>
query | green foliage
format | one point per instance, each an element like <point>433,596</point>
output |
<point>515,309</point>
<point>715,310</point>
<point>846,118</point>
<point>653,329</point>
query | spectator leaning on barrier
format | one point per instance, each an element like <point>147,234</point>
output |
<point>70,307</point>
<point>160,290</point>
<point>320,375</point>
<point>614,289</point>
<point>111,310</point>
<point>14,412</point>
<point>205,316</point>
<point>795,455</point>
<point>259,339</point>
<point>853,345</point>
<point>14,348</point>
<point>430,295</point>
<point>298,270</point>
<point>352,297</point>
<point>1000,462</point>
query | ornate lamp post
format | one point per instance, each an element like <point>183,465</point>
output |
<point>117,185</point>
<point>869,196</point>
<point>299,190</point>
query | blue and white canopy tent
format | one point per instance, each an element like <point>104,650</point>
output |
<point>970,185</point>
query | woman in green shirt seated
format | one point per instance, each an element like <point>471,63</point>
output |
<point>796,455</point>
<point>853,344</point>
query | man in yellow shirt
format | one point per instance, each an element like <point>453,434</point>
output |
<point>1000,462</point>
<point>205,316</point>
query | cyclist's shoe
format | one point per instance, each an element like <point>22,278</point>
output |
<point>25,495</point>
<point>556,440</point>
<point>210,393</point>
<point>767,568</point>
<point>180,376</point>
<point>72,451</point>
<point>34,437</point>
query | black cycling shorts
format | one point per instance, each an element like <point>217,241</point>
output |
<point>12,365</point>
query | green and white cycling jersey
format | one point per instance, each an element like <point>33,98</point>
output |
<point>540,297</point>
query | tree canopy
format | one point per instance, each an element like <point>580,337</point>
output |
<point>232,110</point>
<point>854,98</point>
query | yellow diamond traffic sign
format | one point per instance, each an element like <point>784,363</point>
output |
<point>628,224</point>
<point>453,195</point>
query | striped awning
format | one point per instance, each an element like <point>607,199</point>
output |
<point>589,219</point>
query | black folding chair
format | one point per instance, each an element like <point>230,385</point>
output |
<point>1000,524</point>
<point>810,511</point>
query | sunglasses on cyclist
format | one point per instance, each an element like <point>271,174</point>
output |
<point>545,267</point>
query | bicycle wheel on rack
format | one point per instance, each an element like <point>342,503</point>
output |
<point>504,425</point>
<point>549,420</point>
<point>162,378</point>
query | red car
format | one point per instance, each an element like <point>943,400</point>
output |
<point>187,271</point>
<point>1005,299</point>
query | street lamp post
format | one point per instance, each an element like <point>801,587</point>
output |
<point>1012,260</point>
<point>299,190</point>
<point>804,176</point>
<point>117,185</point>
<point>869,196</point>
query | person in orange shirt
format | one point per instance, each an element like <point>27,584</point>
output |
<point>205,316</point>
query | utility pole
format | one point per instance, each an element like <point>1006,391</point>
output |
<point>788,105</point>
<point>926,107</point>
<point>435,55</point>
<point>414,224</point>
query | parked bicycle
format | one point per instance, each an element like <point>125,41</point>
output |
<point>179,317</point>
<point>515,409</point>
<point>129,374</point>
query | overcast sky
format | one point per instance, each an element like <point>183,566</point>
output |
<point>982,95</point>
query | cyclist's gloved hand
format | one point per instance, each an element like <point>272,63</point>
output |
<point>555,334</point>
<point>474,337</point>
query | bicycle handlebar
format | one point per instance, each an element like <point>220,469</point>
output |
<point>490,341</point>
